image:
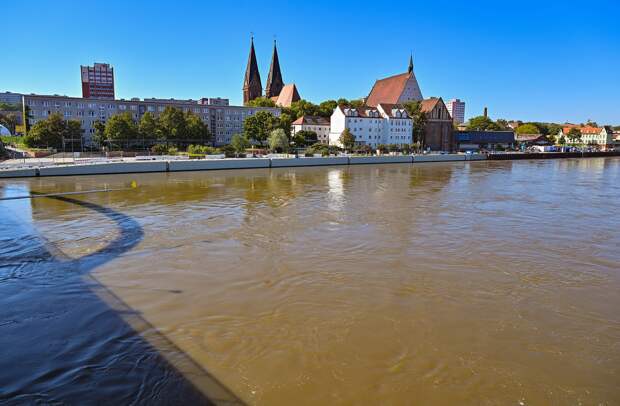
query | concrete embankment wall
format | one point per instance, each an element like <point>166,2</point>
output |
<point>215,164</point>
<point>249,163</point>
<point>551,155</point>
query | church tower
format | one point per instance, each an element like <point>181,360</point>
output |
<point>252,87</point>
<point>274,80</point>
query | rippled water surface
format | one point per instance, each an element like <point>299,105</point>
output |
<point>481,283</point>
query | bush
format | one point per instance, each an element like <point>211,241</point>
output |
<point>163,149</point>
<point>201,150</point>
<point>308,154</point>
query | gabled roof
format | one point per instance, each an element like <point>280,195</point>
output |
<point>252,75</point>
<point>427,105</point>
<point>362,112</point>
<point>288,96</point>
<point>388,90</point>
<point>311,120</point>
<point>388,107</point>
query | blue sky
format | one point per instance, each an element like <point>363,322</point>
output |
<point>529,60</point>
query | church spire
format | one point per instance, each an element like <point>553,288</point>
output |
<point>274,80</point>
<point>410,70</point>
<point>252,87</point>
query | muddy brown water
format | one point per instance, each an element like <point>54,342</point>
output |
<point>459,283</point>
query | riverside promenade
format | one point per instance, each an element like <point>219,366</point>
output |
<point>161,164</point>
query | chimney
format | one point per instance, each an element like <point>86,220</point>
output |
<point>486,112</point>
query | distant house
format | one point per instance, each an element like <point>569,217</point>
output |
<point>602,137</point>
<point>320,125</point>
<point>489,140</point>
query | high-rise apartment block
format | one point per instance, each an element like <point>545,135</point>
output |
<point>97,81</point>
<point>456,108</point>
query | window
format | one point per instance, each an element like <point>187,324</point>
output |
<point>67,114</point>
<point>133,107</point>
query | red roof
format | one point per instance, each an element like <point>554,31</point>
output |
<point>429,104</point>
<point>388,90</point>
<point>288,95</point>
<point>311,120</point>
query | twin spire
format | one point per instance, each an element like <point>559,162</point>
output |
<point>252,85</point>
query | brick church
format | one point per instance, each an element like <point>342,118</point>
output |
<point>275,89</point>
<point>401,88</point>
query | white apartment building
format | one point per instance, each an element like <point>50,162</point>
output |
<point>224,120</point>
<point>456,108</point>
<point>320,125</point>
<point>384,124</point>
<point>600,136</point>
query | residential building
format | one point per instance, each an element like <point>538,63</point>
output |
<point>384,124</point>
<point>395,89</point>
<point>456,108</point>
<point>224,121</point>
<point>488,140</point>
<point>97,81</point>
<point>439,129</point>
<point>11,98</point>
<point>602,137</point>
<point>320,125</point>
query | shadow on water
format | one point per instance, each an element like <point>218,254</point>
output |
<point>66,339</point>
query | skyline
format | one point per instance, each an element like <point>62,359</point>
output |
<point>516,67</point>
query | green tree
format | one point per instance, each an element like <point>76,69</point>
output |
<point>8,107</point>
<point>418,117</point>
<point>347,139</point>
<point>239,143</point>
<point>197,130</point>
<point>48,133</point>
<point>562,140</point>
<point>326,108</point>
<point>257,127</point>
<point>121,127</point>
<point>302,108</point>
<point>574,135</point>
<point>502,124</point>
<point>527,129</point>
<point>261,102</point>
<point>303,138</point>
<point>99,136</point>
<point>482,123</point>
<point>278,141</point>
<point>172,124</point>
<point>285,123</point>
<point>148,128</point>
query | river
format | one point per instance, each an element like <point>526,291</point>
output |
<point>448,283</point>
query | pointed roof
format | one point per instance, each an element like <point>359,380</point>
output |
<point>388,90</point>
<point>274,80</point>
<point>288,95</point>
<point>252,76</point>
<point>410,69</point>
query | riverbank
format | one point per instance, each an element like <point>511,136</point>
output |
<point>143,165</point>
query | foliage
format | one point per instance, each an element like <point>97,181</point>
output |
<point>258,127</point>
<point>172,124</point>
<point>382,148</point>
<point>393,147</point>
<point>196,129</point>
<point>418,117</point>
<point>482,123</point>
<point>574,134</point>
<point>278,141</point>
<point>347,139</point>
<point>52,131</point>
<point>8,107</point>
<point>239,143</point>
<point>326,108</point>
<point>261,102</point>
<point>285,123</point>
<point>99,136</point>
<point>163,149</point>
<point>121,127</point>
<point>148,127</point>
<point>527,129</point>
<point>201,150</point>
<point>562,140</point>
<point>363,149</point>
<point>305,137</point>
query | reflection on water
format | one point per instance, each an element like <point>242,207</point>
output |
<point>491,282</point>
